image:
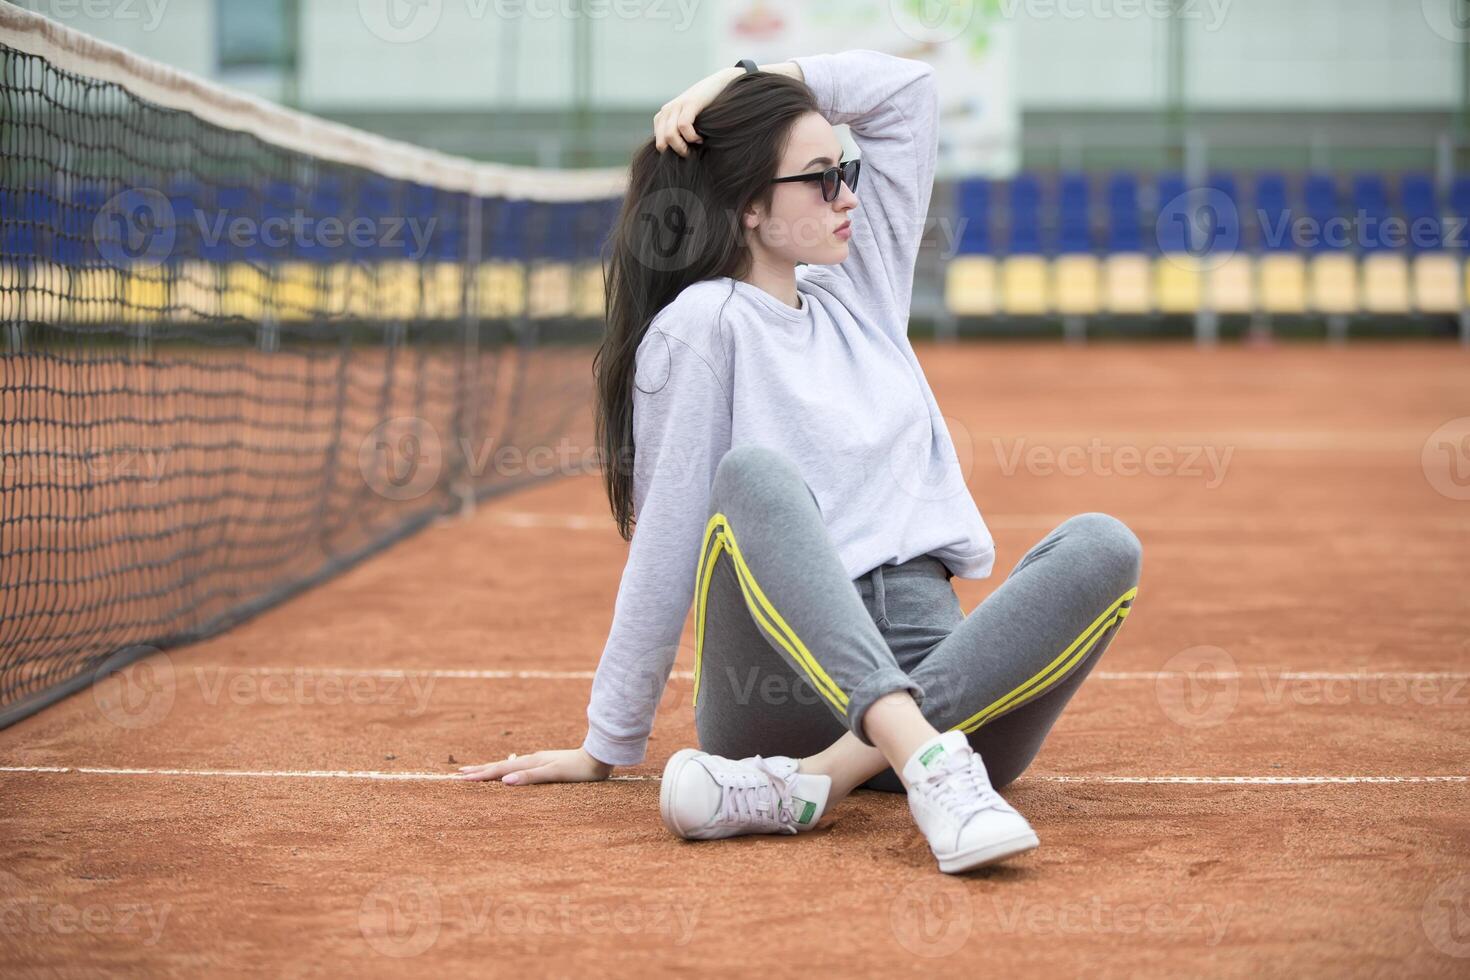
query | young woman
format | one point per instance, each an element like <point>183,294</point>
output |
<point>793,477</point>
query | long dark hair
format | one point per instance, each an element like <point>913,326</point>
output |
<point>680,224</point>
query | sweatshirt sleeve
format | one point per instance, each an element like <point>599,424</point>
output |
<point>891,107</point>
<point>681,430</point>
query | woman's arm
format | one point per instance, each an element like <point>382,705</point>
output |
<point>891,107</point>
<point>682,428</point>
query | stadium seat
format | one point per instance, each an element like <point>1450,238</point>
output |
<point>970,286</point>
<point>1332,270</point>
<point>1333,279</point>
<point>970,277</point>
<point>1025,279</point>
<point>1125,269</point>
<point>1177,274</point>
<point>1282,278</point>
<point>1281,270</point>
<point>1126,284</point>
<point>1385,268</point>
<point>1076,274</point>
<point>1434,277</point>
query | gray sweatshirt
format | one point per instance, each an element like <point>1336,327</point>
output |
<point>834,385</point>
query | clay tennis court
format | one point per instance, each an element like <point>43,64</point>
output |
<point>1267,774</point>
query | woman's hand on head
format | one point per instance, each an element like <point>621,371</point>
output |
<point>673,125</point>
<point>550,766</point>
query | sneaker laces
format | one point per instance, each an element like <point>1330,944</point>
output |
<point>765,804</point>
<point>960,784</point>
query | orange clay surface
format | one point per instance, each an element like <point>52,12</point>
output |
<point>1303,612</point>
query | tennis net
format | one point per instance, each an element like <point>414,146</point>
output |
<point>245,348</point>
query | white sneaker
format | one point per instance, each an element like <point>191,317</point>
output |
<point>966,822</point>
<point>705,797</point>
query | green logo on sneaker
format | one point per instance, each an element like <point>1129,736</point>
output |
<point>930,753</point>
<point>806,811</point>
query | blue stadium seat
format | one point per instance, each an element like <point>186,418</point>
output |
<point>1435,277</point>
<point>1024,285</point>
<point>970,277</point>
<point>1385,269</point>
<point>1333,266</point>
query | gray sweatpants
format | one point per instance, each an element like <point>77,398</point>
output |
<point>790,652</point>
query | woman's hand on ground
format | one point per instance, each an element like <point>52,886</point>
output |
<point>673,125</point>
<point>550,766</point>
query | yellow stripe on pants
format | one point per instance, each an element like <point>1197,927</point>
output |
<point>718,536</point>
<point>1048,675</point>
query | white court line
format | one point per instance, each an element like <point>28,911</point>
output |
<point>367,774</point>
<point>1104,675</point>
<point>1045,522</point>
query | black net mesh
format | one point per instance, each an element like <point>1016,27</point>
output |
<point>231,369</point>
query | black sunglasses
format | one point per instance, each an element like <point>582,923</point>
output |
<point>832,178</point>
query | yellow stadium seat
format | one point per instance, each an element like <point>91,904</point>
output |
<point>1386,283</point>
<point>591,299</point>
<point>500,289</point>
<point>551,289</point>
<point>1126,284</point>
<point>1283,282</point>
<point>969,285</point>
<point>1024,285</point>
<point>14,282</point>
<point>1437,283</point>
<point>443,291</point>
<point>196,291</point>
<point>247,292</point>
<point>298,291</point>
<point>1178,283</point>
<point>145,294</point>
<point>48,293</point>
<point>1078,280</point>
<point>96,295</point>
<point>1232,285</point>
<point>1334,283</point>
<point>396,292</point>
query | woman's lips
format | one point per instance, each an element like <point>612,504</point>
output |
<point>844,231</point>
